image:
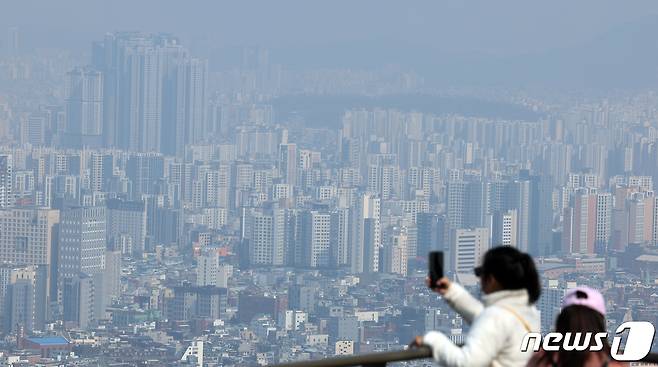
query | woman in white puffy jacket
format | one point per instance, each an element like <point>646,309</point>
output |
<point>510,284</point>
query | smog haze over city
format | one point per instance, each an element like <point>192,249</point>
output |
<point>244,183</point>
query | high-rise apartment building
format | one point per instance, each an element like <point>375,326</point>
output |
<point>540,216</point>
<point>24,295</point>
<point>154,94</point>
<point>640,217</point>
<point>302,297</point>
<point>144,170</point>
<point>82,242</point>
<point>288,163</point>
<point>33,129</point>
<point>126,225</point>
<point>504,229</point>
<point>261,243</point>
<point>189,302</point>
<point>579,228</point>
<point>112,276</point>
<point>84,108</point>
<point>340,237</point>
<point>281,237</point>
<point>520,200</point>
<point>466,203</point>
<point>6,181</point>
<point>316,238</point>
<point>266,236</point>
<point>366,234</point>
<point>207,269</point>
<point>384,180</point>
<point>28,237</point>
<point>97,171</point>
<point>468,247</point>
<point>604,207</point>
<point>196,75</point>
<point>395,253</point>
<point>550,303</point>
<point>432,234</point>
<point>78,301</point>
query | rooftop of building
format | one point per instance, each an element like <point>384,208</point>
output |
<point>49,341</point>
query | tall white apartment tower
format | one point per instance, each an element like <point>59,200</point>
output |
<point>504,229</point>
<point>6,181</point>
<point>82,243</point>
<point>469,245</point>
<point>260,241</point>
<point>316,234</point>
<point>366,239</point>
<point>604,206</point>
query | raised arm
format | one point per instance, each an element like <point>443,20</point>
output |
<point>463,302</point>
<point>483,343</point>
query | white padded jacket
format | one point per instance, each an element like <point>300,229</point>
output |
<point>497,329</point>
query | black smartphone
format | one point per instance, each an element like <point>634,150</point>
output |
<point>435,267</point>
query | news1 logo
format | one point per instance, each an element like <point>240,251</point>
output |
<point>637,346</point>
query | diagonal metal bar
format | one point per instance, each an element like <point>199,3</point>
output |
<point>381,359</point>
<point>373,359</point>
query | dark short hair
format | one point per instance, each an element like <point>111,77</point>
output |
<point>577,319</point>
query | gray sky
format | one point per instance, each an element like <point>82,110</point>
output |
<point>417,33</point>
<point>496,26</point>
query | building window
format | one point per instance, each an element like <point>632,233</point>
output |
<point>21,244</point>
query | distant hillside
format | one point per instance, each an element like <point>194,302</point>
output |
<point>626,57</point>
<point>326,111</point>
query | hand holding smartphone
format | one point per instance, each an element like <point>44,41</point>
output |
<point>435,267</point>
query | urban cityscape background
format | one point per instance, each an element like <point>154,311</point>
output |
<point>185,202</point>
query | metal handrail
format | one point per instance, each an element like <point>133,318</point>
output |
<point>372,359</point>
<point>382,358</point>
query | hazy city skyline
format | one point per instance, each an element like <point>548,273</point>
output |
<point>257,183</point>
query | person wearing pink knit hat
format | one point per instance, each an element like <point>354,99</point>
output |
<point>583,310</point>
